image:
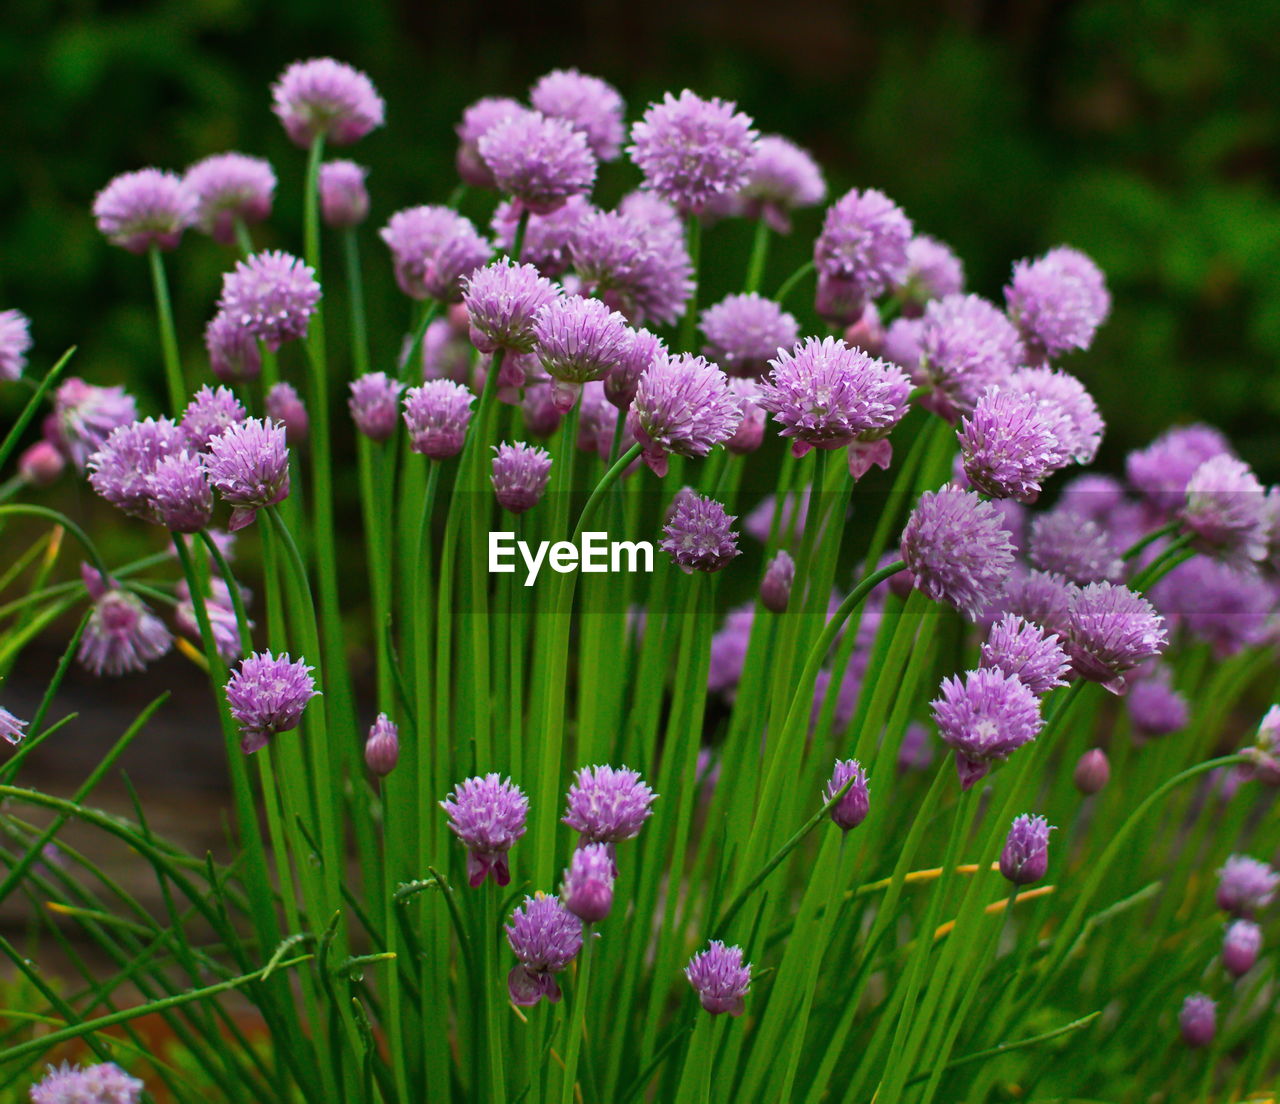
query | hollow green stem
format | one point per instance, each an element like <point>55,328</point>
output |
<point>168,335</point>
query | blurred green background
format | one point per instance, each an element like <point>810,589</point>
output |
<point>1144,132</point>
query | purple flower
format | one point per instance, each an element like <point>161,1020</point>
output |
<point>344,198</point>
<point>985,719</point>
<point>729,651</point>
<point>1080,425</point>
<point>579,340</point>
<point>1264,754</point>
<point>1064,542</point>
<point>228,187</point>
<point>597,419</point>
<point>1093,495</point>
<point>827,395</point>
<point>375,404</point>
<point>210,412</point>
<point>1240,947</point>
<point>720,978</point>
<point>272,295</point>
<point>916,750</point>
<point>744,332</point>
<point>1010,444</point>
<point>682,405</point>
<point>433,249</point>
<point>539,161</point>
<point>966,346</point>
<point>477,120</point>
<point>382,746</point>
<point>1198,1020</point>
<point>41,464</point>
<point>487,813</point>
<point>1227,509</point>
<point>853,806</point>
<point>12,729</point>
<point>1155,708</point>
<point>1246,886</point>
<point>233,350</point>
<point>1111,630</point>
<point>775,587</point>
<point>547,238</point>
<point>1228,608</point>
<point>654,215</point>
<point>121,470</point>
<point>437,414</point>
<point>956,549</point>
<point>698,533</point>
<point>1020,648</point>
<point>933,271</point>
<point>248,466</point>
<point>608,804</point>
<point>1161,471</point>
<point>638,267</point>
<point>1025,857</point>
<point>749,435</point>
<point>1058,301</point>
<point>1041,597</point>
<point>861,252</point>
<point>221,613</point>
<point>781,178</point>
<point>180,493</point>
<point>503,299</point>
<point>15,341</point>
<point>267,694</point>
<point>284,405</point>
<point>139,210</point>
<point>1093,771</point>
<point>545,937</point>
<point>446,351</point>
<point>693,151</point>
<point>323,97</point>
<point>901,344</point>
<point>586,103</point>
<point>105,1083</point>
<point>519,475</point>
<point>624,378</point>
<point>122,634</point>
<point>587,889</point>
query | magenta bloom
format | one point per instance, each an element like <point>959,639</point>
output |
<point>537,160</point>
<point>547,238</point>
<point>12,730</point>
<point>1111,630</point>
<point>272,295</point>
<point>624,377</point>
<point>775,587</point>
<point>608,804</point>
<point>1010,444</point>
<point>966,346</point>
<point>1198,1020</point>
<point>121,470</point>
<point>477,120</point>
<point>1227,509</point>
<point>587,889</point>
<point>1155,708</point>
<point>781,178</point>
<point>234,355</point>
<point>1058,301</point>
<point>1228,608</point>
<point>211,411</point>
<point>437,414</point>
<point>227,187</point>
<point>382,746</point>
<point>861,252</point>
<point>105,1083</point>
<point>503,300</point>
<point>433,249</point>
<point>933,271</point>
<point>744,332</point>
<point>1080,425</point>
<point>139,210</point>
<point>1025,858</point>
<point>901,344</point>
<point>698,533</point>
<point>268,694</point>
<point>957,549</point>
<point>693,151</point>
<point>1064,542</point>
<point>1264,753</point>
<point>1240,947</point>
<point>1041,597</point>
<point>586,103</point>
<point>375,405</point>
<point>545,937</point>
<point>248,466</point>
<point>682,405</point>
<point>519,475</point>
<point>1246,886</point>
<point>1020,648</point>
<point>326,98</point>
<point>852,808</point>
<point>1161,471</point>
<point>180,493</point>
<point>284,405</point>
<point>488,814</point>
<point>15,341</point>
<point>749,435</point>
<point>344,198</point>
<point>985,719</point>
<point>122,634</point>
<point>221,613</point>
<point>41,464</point>
<point>720,978</point>
<point>579,340</point>
<point>1093,771</point>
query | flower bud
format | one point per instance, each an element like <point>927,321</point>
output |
<point>1240,947</point>
<point>41,464</point>
<point>285,405</point>
<point>1093,771</point>
<point>1198,1020</point>
<point>382,748</point>
<point>775,587</point>
<point>1025,857</point>
<point>587,890</point>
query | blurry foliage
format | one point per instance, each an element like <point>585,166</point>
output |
<point>1145,133</point>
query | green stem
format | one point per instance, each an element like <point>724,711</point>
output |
<point>1138,545</point>
<point>29,411</point>
<point>58,518</point>
<point>578,1022</point>
<point>689,324</point>
<point>493,986</point>
<point>789,284</point>
<point>168,335</point>
<point>759,253</point>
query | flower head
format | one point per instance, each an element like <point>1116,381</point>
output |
<point>966,346</point>
<point>1110,631</point>
<point>220,610</point>
<point>1025,857</point>
<point>121,470</point>
<point>519,475</point>
<point>1041,597</point>
<point>272,295</point>
<point>693,151</point>
<point>608,804</point>
<point>1155,708</point>
<point>344,198</point>
<point>1093,771</point>
<point>284,405</point>
<point>433,248</point>
<point>12,729</point>
<point>933,271</point>
<point>720,978</point>
<point>180,493</point>
<point>547,238</point>
<point>139,210</point>
<point>227,187</point>
<point>1240,947</point>
<point>437,414</point>
<point>122,634</point>
<point>624,377</point>
<point>328,98</point>
<point>638,267</point>
<point>487,813</point>
<point>781,178</point>
<point>502,301</point>
<point>749,435</point>
<point>861,252</point>
<point>248,466</point>
<point>40,464</point>
<point>105,1083</point>
<point>586,103</point>
<point>375,404</point>
<point>545,937</point>
<point>539,161</point>
<point>1064,542</point>
<point>382,746</point>
<point>234,355</point>
<point>1228,608</point>
<point>84,416</point>
<point>587,889</point>
<point>1065,400</point>
<point>853,806</point>
<point>744,332</point>
<point>477,120</point>
<point>210,412</point>
<point>1264,753</point>
<point>1246,886</point>
<point>1020,648</point>
<point>775,587</point>
<point>15,341</point>
<point>1198,1020</point>
<point>1226,509</point>
<point>985,719</point>
<point>1161,471</point>
<point>579,340</point>
<point>682,405</point>
<point>268,694</point>
<point>698,533</point>
<point>1058,301</point>
<point>1010,444</point>
<point>957,550</point>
